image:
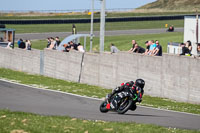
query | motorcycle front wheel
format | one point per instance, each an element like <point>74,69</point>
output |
<point>103,108</point>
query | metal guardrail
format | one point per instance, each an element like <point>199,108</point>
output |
<point>67,21</point>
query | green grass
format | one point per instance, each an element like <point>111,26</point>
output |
<point>19,122</point>
<point>41,28</point>
<point>91,91</point>
<point>123,42</point>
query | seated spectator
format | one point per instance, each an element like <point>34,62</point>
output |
<point>19,41</point>
<point>1,39</point>
<point>57,42</point>
<point>138,49</point>
<point>22,45</point>
<point>188,44</point>
<point>28,44</point>
<point>80,48</point>
<point>48,42</point>
<point>158,50</point>
<point>185,50</point>
<point>171,29</point>
<point>198,49</point>
<point>67,47</point>
<point>133,45</point>
<point>113,48</point>
<point>10,45</point>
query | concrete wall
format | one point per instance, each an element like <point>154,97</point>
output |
<point>21,60</point>
<point>169,76</point>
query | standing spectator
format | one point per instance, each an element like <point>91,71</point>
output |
<point>57,42</point>
<point>138,49</point>
<point>133,45</point>
<point>53,42</point>
<point>74,31</point>
<point>22,45</point>
<point>113,48</point>
<point>185,50</point>
<point>188,44</point>
<point>158,50</point>
<point>147,47</point>
<point>152,47</point>
<point>28,44</point>
<point>48,42</point>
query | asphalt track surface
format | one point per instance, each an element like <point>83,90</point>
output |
<point>16,97</point>
<point>41,36</point>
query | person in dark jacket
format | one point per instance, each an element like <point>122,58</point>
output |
<point>137,87</point>
<point>185,50</point>
<point>22,44</point>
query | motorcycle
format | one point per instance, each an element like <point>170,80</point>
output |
<point>120,102</point>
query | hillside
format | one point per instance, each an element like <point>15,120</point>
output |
<point>173,5</point>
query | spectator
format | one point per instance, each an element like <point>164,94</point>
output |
<point>138,49</point>
<point>10,45</point>
<point>152,47</point>
<point>198,49</point>
<point>188,44</point>
<point>1,39</point>
<point>48,42</point>
<point>74,46</point>
<point>171,29</point>
<point>57,42</point>
<point>28,44</point>
<point>80,48</point>
<point>74,31</point>
<point>113,48</point>
<point>158,50</point>
<point>19,41</point>
<point>53,42</point>
<point>133,45</point>
<point>67,47</point>
<point>22,45</point>
<point>147,47</point>
<point>185,50</point>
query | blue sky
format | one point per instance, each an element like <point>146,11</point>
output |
<point>67,4</point>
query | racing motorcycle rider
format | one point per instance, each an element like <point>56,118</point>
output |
<point>137,88</point>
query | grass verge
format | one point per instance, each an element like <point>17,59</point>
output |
<point>19,122</point>
<point>91,91</point>
<point>123,42</point>
<point>41,28</point>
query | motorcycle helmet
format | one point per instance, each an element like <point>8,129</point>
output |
<point>140,83</point>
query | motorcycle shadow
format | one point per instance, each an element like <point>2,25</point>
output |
<point>141,115</point>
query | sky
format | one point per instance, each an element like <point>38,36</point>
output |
<point>68,4</point>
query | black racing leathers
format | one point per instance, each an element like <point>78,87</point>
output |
<point>138,92</point>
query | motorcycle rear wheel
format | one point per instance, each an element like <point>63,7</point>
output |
<point>125,107</point>
<point>103,108</point>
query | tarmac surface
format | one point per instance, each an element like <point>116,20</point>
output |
<point>16,97</point>
<point>42,36</point>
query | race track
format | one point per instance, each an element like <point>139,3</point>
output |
<point>41,36</point>
<point>17,97</point>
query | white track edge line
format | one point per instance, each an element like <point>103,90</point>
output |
<point>9,81</point>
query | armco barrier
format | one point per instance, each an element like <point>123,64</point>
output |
<point>72,21</point>
<point>169,76</point>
